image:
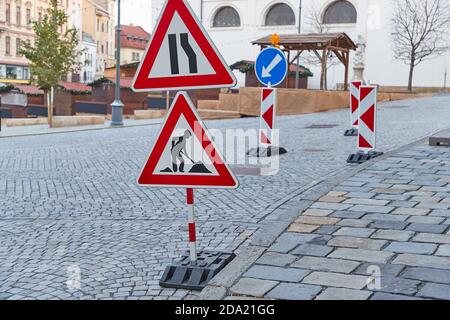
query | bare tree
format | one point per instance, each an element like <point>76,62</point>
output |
<point>315,25</point>
<point>420,31</point>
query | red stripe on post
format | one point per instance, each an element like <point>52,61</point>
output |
<point>192,237</point>
<point>190,196</point>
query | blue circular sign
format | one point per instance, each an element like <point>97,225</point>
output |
<point>271,67</point>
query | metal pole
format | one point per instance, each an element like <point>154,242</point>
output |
<point>117,105</point>
<point>297,76</point>
<point>191,225</point>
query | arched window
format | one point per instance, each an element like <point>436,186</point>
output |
<point>280,15</point>
<point>340,12</point>
<point>226,17</point>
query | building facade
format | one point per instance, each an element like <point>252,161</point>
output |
<point>16,17</point>
<point>98,22</point>
<point>133,41</point>
<point>89,59</point>
<point>233,24</point>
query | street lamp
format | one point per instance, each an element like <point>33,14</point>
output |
<point>117,105</point>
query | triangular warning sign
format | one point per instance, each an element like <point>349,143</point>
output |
<point>184,155</point>
<point>180,55</point>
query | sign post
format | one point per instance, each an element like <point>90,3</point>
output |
<point>367,126</point>
<point>354,109</point>
<point>181,56</point>
<point>271,70</point>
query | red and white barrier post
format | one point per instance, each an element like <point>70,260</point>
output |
<point>191,225</point>
<point>267,120</point>
<point>367,118</point>
<point>354,108</point>
<point>366,125</point>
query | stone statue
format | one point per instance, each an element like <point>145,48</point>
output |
<point>359,59</point>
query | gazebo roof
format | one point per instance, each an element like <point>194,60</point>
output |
<point>312,41</point>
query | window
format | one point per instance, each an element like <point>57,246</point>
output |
<point>340,12</point>
<point>40,16</point>
<point>7,45</point>
<point>18,46</point>
<point>136,56</point>
<point>18,15</point>
<point>226,17</point>
<point>103,27</point>
<point>28,17</point>
<point>280,15</point>
<point>8,13</point>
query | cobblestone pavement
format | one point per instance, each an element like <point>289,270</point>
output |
<point>69,201</point>
<point>383,233</point>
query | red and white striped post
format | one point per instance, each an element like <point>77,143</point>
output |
<point>191,225</point>
<point>367,118</point>
<point>267,120</point>
<point>354,103</point>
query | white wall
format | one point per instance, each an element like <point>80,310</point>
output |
<point>373,23</point>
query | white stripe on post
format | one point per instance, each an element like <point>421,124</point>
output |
<point>367,118</point>
<point>267,119</point>
<point>354,103</point>
<point>191,225</point>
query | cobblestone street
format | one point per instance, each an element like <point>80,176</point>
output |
<point>70,200</point>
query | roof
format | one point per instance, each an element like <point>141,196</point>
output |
<point>246,65</point>
<point>124,82</point>
<point>311,41</point>
<point>134,37</point>
<point>75,86</point>
<point>88,38</point>
<point>125,66</point>
<point>29,89</point>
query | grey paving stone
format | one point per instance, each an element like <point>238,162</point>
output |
<point>370,202</point>
<point>427,228</point>
<point>291,291</point>
<point>359,223</point>
<point>252,287</point>
<point>411,211</point>
<point>374,209</point>
<point>312,250</point>
<point>288,241</point>
<point>397,285</point>
<point>326,230</point>
<point>358,243</point>
<point>339,280</point>
<point>385,217</point>
<point>355,232</point>
<point>440,213</point>
<point>411,247</point>
<point>403,204</point>
<point>276,273</point>
<point>386,269</point>
<point>444,250</point>
<point>391,225</point>
<point>427,274</point>
<point>389,296</point>
<point>435,291</point>
<point>343,294</point>
<point>432,237</point>
<point>347,214</point>
<point>362,255</point>
<point>393,197</point>
<point>422,261</point>
<point>330,206</point>
<point>395,235</point>
<point>326,264</point>
<point>276,259</point>
<point>433,205</point>
<point>426,219</point>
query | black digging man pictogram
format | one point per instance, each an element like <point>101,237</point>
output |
<point>178,150</point>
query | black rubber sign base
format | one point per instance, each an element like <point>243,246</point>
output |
<point>351,132</point>
<point>439,142</point>
<point>184,275</point>
<point>261,152</point>
<point>362,157</point>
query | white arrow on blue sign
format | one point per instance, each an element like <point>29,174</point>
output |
<point>271,67</point>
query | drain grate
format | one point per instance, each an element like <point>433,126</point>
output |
<point>322,126</point>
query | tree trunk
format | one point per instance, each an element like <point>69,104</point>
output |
<point>411,74</point>
<point>50,95</point>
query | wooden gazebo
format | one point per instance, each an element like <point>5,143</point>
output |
<point>338,44</point>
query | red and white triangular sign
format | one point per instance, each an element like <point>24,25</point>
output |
<point>184,155</point>
<point>180,55</point>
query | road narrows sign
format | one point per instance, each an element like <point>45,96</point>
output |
<point>180,55</point>
<point>184,155</point>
